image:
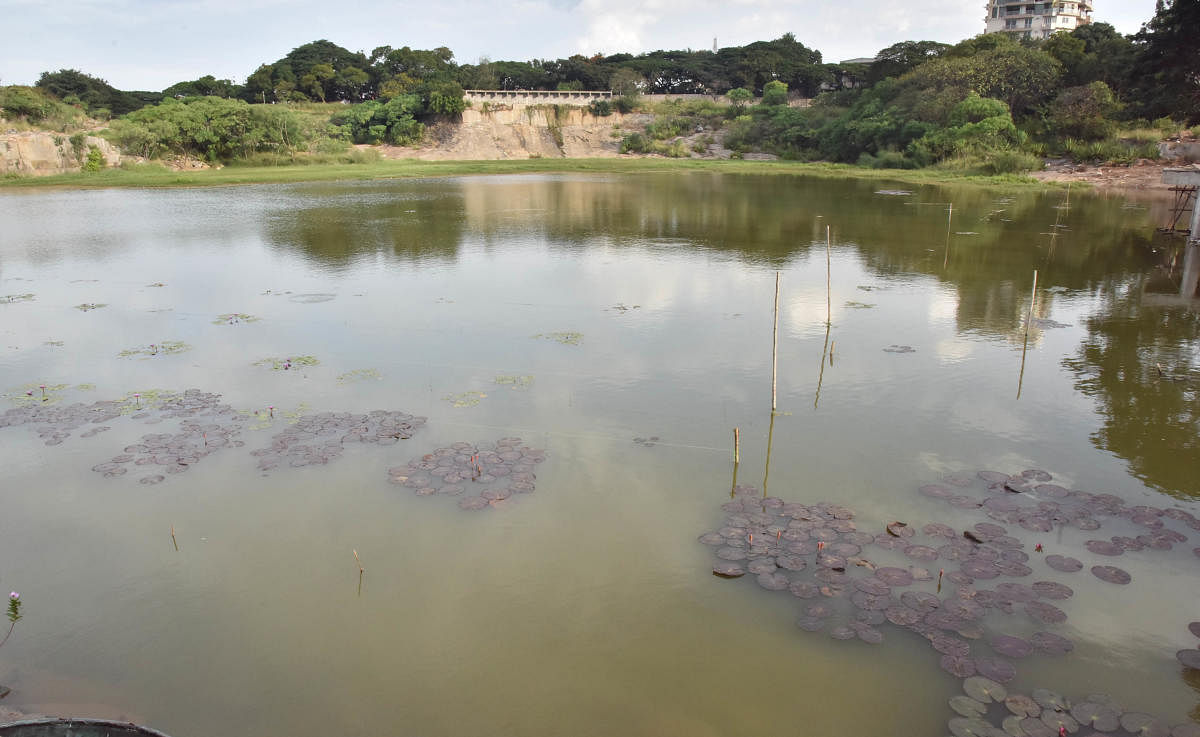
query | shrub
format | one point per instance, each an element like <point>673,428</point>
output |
<point>600,108</point>
<point>95,160</point>
<point>625,104</point>
<point>774,93</point>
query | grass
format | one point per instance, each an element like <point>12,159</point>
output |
<point>152,175</point>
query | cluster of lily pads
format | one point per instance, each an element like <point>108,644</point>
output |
<point>317,439</point>
<point>491,473</point>
<point>852,582</point>
<point>989,710</point>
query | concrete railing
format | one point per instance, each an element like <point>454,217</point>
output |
<point>539,97</point>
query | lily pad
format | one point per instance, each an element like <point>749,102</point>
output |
<point>1111,574</point>
<point>984,690</point>
<point>1100,717</point>
<point>967,706</point>
<point>287,363</point>
<point>234,318</point>
<point>1064,563</point>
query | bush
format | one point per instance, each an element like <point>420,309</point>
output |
<point>600,108</point>
<point>1085,112</point>
<point>774,93</point>
<point>95,160</point>
<point>625,104</point>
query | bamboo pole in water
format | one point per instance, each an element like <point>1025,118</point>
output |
<point>828,282</point>
<point>737,454</point>
<point>775,343</point>
<point>1025,347</point>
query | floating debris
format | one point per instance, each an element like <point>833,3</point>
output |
<point>13,298</point>
<point>89,306</point>
<point>234,318</point>
<point>566,338</point>
<point>623,308</point>
<point>899,349</point>
<point>859,305</point>
<point>649,442</point>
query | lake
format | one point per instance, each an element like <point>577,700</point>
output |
<point>436,457</point>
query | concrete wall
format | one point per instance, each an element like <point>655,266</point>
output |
<point>1186,151</point>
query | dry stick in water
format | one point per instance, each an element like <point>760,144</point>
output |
<point>1025,347</point>
<point>737,446</point>
<point>356,560</point>
<point>775,343</point>
<point>949,217</point>
<point>828,281</point>
<point>173,540</point>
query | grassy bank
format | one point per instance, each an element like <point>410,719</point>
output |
<point>155,176</point>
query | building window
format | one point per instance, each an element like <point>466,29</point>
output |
<point>1010,23</point>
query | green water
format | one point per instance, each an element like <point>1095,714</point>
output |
<point>578,313</point>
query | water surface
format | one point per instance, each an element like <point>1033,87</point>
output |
<point>577,313</point>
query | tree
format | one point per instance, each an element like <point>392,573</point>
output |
<point>1085,112</point>
<point>625,82</point>
<point>901,58</point>
<point>1168,61</point>
<point>774,93</point>
<point>738,97</point>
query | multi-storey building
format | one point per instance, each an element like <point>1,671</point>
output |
<point>1036,19</point>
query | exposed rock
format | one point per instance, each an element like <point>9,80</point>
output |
<point>41,154</point>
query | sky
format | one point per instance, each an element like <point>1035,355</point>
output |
<point>152,44</point>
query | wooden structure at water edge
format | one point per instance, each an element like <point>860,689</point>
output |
<point>1184,183</point>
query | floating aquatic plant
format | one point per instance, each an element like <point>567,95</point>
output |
<point>89,306</point>
<point>465,399</point>
<point>900,349</point>
<point>566,338</point>
<point>233,318</point>
<point>54,343</point>
<point>287,363</point>
<point>38,393</point>
<point>264,418</point>
<point>516,382</point>
<point>85,387</point>
<point>357,375</point>
<point>166,348</point>
<point>311,298</point>
<point>859,305</point>
<point>623,308</point>
<point>10,298</point>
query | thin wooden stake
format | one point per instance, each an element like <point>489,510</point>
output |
<point>828,282</point>
<point>173,540</point>
<point>775,343</point>
<point>737,447</point>
<point>359,562</point>
<point>1025,347</point>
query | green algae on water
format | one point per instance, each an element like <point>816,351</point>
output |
<point>166,348</point>
<point>234,318</point>
<point>351,377</point>
<point>287,363</point>
<point>515,382</point>
<point>465,399</point>
<point>566,338</point>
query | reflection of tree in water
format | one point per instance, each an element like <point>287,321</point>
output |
<point>1151,419</point>
<point>336,225</point>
